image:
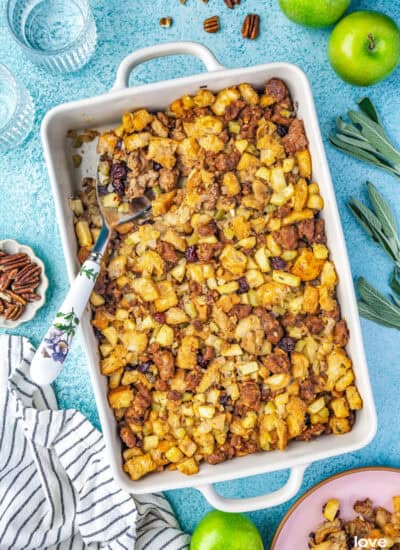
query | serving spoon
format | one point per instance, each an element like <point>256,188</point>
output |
<point>52,352</point>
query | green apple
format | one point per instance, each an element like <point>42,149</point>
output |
<point>314,13</point>
<point>364,47</point>
<point>223,531</point>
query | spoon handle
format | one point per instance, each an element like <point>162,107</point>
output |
<point>51,354</point>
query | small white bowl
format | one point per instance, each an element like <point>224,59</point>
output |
<point>13,247</point>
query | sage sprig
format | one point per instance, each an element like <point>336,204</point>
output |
<point>380,224</point>
<point>374,306</point>
<point>365,138</point>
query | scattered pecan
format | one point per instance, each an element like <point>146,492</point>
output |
<point>232,3</point>
<point>165,22</point>
<point>251,26</point>
<point>211,24</point>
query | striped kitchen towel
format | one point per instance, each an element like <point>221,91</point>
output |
<point>56,488</point>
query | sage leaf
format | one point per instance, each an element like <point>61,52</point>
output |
<point>368,108</point>
<point>383,212</point>
<point>376,136</point>
<point>376,304</point>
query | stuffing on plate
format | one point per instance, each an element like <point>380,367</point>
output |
<point>218,324</point>
<point>373,527</point>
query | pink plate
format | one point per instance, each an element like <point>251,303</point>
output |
<point>379,484</point>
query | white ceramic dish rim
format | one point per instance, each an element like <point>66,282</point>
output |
<point>101,110</point>
<point>14,247</point>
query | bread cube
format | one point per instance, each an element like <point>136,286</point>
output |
<point>146,289</point>
<point>188,467</point>
<point>139,466</point>
<point>120,397</point>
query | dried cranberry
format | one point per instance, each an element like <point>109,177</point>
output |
<point>243,285</point>
<point>130,366</point>
<point>282,130</point>
<point>144,366</point>
<point>278,263</point>
<point>118,171</point>
<point>119,187</point>
<point>191,253</point>
<point>224,399</point>
<point>201,360</point>
<point>98,333</point>
<point>287,343</point>
<point>102,190</point>
<point>156,166</point>
<point>160,318</point>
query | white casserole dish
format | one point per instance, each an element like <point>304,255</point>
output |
<point>105,111</point>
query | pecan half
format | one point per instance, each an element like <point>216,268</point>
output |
<point>6,278</point>
<point>31,297</point>
<point>232,3</point>
<point>251,26</point>
<point>16,298</point>
<point>28,272</point>
<point>165,22</point>
<point>14,264</point>
<point>9,258</point>
<point>21,289</point>
<point>13,312</point>
<point>211,24</point>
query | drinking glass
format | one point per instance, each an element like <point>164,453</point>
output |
<point>16,111</point>
<point>58,35</point>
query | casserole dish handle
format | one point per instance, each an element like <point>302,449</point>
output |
<point>162,50</point>
<point>285,493</point>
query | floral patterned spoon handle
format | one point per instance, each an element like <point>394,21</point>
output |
<point>54,348</point>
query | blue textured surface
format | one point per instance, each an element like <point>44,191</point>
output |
<point>27,211</point>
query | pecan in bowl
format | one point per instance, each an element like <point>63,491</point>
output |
<point>23,284</point>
